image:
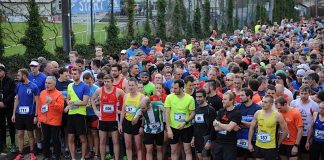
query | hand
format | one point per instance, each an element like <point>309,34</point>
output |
<point>250,147</point>
<point>192,143</point>
<point>294,150</point>
<point>120,129</point>
<point>170,134</point>
<point>66,109</point>
<point>139,112</point>
<point>307,146</point>
<point>39,124</point>
<point>208,145</point>
<point>98,114</point>
<point>13,118</point>
<point>237,128</point>
<point>2,105</point>
<point>48,99</point>
<point>35,120</point>
<point>141,131</point>
<point>71,103</point>
<point>216,123</point>
<point>158,94</point>
<point>181,126</point>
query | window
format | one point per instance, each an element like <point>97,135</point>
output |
<point>60,4</point>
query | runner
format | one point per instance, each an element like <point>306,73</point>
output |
<point>266,121</point>
<point>205,114</point>
<point>77,97</point>
<point>152,112</point>
<point>119,80</point>
<point>178,115</point>
<point>130,107</point>
<point>50,112</point>
<point>225,125</point>
<point>289,147</point>
<point>108,96</point>
<point>25,112</point>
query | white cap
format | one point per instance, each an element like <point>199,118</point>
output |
<point>301,72</point>
<point>123,51</point>
<point>34,63</point>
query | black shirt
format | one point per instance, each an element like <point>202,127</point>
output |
<point>204,120</point>
<point>215,102</point>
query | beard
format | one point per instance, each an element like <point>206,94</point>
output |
<point>21,80</point>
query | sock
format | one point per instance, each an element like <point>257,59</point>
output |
<point>39,145</point>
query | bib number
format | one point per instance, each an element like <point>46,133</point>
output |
<point>108,108</point>
<point>74,107</point>
<point>131,109</point>
<point>180,117</point>
<point>44,108</point>
<point>199,118</point>
<point>263,137</point>
<point>222,132</point>
<point>23,110</point>
<point>243,143</point>
<point>155,126</point>
<point>319,134</point>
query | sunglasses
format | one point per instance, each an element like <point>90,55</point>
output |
<point>33,66</point>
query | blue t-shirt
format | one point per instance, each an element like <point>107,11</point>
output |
<point>26,93</point>
<point>131,52</point>
<point>145,49</point>
<point>62,87</point>
<point>38,79</point>
<point>81,90</point>
<point>247,116</point>
<point>90,111</point>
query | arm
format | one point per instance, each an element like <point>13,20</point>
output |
<point>36,109</point>
<point>227,127</point>
<point>93,98</point>
<point>283,126</point>
<point>125,85</point>
<point>123,112</point>
<point>310,132</point>
<point>84,102</point>
<point>137,117</point>
<point>10,94</point>
<point>191,116</point>
<point>246,124</point>
<point>252,127</point>
<point>15,104</point>
<point>167,118</point>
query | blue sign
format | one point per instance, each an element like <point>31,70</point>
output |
<point>83,6</point>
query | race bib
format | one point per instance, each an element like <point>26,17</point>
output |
<point>131,109</point>
<point>222,132</point>
<point>199,118</point>
<point>23,110</point>
<point>44,108</point>
<point>180,117</point>
<point>154,126</point>
<point>319,134</point>
<point>108,108</point>
<point>74,107</point>
<point>263,137</point>
<point>243,143</point>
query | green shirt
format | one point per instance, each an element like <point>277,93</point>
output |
<point>149,89</point>
<point>153,121</point>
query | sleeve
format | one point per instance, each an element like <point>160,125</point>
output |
<point>167,103</point>
<point>36,91</point>
<point>10,97</point>
<point>298,120</point>
<point>86,91</point>
<point>59,102</point>
<point>192,104</point>
<point>237,117</point>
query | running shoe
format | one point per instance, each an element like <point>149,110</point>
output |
<point>32,156</point>
<point>19,157</point>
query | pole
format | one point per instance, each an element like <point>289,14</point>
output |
<point>316,8</point>
<point>91,20</point>
<point>66,26</point>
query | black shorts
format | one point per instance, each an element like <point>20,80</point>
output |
<point>285,150</point>
<point>200,142</point>
<point>92,121</point>
<point>224,151</point>
<point>77,124</point>
<point>64,120</point>
<point>25,122</point>
<point>157,139</point>
<point>131,129</point>
<point>108,126</point>
<point>245,153</point>
<point>266,154</point>
<point>185,135</point>
<point>301,148</point>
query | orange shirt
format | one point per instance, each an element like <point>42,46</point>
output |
<point>256,98</point>
<point>50,114</point>
<point>294,121</point>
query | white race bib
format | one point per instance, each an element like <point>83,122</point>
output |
<point>243,143</point>
<point>222,132</point>
<point>108,108</point>
<point>131,109</point>
<point>44,108</point>
<point>199,118</point>
<point>155,125</point>
<point>263,137</point>
<point>180,117</point>
<point>23,110</point>
<point>319,134</point>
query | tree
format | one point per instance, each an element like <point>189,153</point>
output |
<point>112,41</point>
<point>33,39</point>
<point>229,13</point>
<point>183,13</point>
<point>189,29</point>
<point>283,9</point>
<point>176,26</point>
<point>147,28</point>
<point>206,19</point>
<point>196,24</point>
<point>261,14</point>
<point>161,30</point>
<point>130,17</point>
<point>2,45</point>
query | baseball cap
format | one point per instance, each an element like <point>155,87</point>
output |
<point>301,72</point>
<point>2,67</point>
<point>144,74</point>
<point>123,51</point>
<point>34,63</point>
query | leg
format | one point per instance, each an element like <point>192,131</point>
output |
<point>159,152</point>
<point>103,140</point>
<point>95,137</point>
<point>31,140</point>
<point>187,150</point>
<point>138,145</point>
<point>11,126</point>
<point>38,137</point>
<point>56,141</point>
<point>129,145</point>
<point>2,129</point>
<point>149,151</point>
<point>71,138</point>
<point>83,140</point>
<point>46,130</point>
<point>90,140</point>
<point>21,135</point>
<point>175,151</point>
<point>115,141</point>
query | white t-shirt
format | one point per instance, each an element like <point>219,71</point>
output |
<point>306,111</point>
<point>289,93</point>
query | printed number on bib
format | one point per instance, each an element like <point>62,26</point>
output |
<point>108,108</point>
<point>180,117</point>
<point>74,107</point>
<point>243,143</point>
<point>199,118</point>
<point>24,110</point>
<point>319,134</point>
<point>222,132</point>
<point>44,108</point>
<point>131,109</point>
<point>264,137</point>
<point>155,125</point>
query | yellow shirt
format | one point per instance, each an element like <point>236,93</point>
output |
<point>266,136</point>
<point>132,105</point>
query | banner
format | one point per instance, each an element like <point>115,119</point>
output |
<point>83,6</point>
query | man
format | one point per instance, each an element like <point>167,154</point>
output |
<point>254,86</point>
<point>48,70</point>
<point>123,55</point>
<point>99,55</point>
<point>289,146</point>
<point>266,121</point>
<point>7,98</point>
<point>145,48</point>
<point>247,108</point>
<point>55,68</point>
<point>110,96</point>
<point>148,87</point>
<point>73,56</point>
<point>306,107</point>
<point>152,112</point>
<point>131,51</point>
<point>205,114</point>
<point>25,112</point>
<point>130,107</point>
<point>179,113</point>
<point>113,59</point>
<point>119,80</point>
<point>77,99</point>
<point>50,112</point>
<point>213,99</point>
<point>225,123</point>
<point>133,71</point>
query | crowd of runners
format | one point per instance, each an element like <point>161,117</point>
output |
<point>254,94</point>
